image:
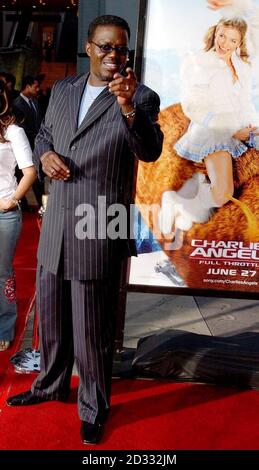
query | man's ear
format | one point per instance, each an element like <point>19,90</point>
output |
<point>88,48</point>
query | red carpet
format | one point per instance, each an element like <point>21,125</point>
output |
<point>25,268</point>
<point>145,414</point>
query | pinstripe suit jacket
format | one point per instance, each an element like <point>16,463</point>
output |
<point>100,155</point>
<point>31,121</point>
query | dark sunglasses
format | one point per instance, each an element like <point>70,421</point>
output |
<point>107,48</point>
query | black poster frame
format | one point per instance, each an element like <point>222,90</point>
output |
<point>188,291</point>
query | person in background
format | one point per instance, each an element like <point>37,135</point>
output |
<point>27,110</point>
<point>48,48</point>
<point>43,100</point>
<point>96,125</point>
<point>14,149</point>
<point>10,81</point>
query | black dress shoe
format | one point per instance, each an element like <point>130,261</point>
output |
<point>91,433</point>
<point>27,398</point>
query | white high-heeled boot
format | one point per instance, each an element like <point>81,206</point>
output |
<point>166,215</point>
<point>192,203</point>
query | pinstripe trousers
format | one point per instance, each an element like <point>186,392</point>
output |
<point>77,322</point>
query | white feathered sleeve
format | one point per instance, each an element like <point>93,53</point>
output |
<point>195,86</point>
<point>250,13</point>
<point>197,102</point>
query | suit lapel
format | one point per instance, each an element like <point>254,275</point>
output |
<point>28,112</point>
<point>25,105</point>
<point>100,104</point>
<point>98,107</point>
<point>76,90</point>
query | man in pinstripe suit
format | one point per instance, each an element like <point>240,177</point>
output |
<point>95,126</point>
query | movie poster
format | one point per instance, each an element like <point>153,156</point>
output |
<point>192,231</point>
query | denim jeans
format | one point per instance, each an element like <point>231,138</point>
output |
<point>10,229</point>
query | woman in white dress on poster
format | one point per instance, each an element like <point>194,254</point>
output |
<point>217,98</point>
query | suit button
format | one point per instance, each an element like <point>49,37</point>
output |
<point>74,147</point>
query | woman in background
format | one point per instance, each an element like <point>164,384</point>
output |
<point>14,150</point>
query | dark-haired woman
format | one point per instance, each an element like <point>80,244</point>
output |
<point>14,150</point>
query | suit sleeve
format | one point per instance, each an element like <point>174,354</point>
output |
<point>44,139</point>
<point>145,137</point>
